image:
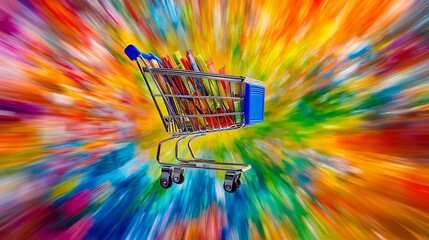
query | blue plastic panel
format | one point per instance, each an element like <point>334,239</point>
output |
<point>254,103</point>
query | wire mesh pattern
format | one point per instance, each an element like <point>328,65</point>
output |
<point>194,102</point>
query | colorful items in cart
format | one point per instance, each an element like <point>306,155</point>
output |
<point>199,87</point>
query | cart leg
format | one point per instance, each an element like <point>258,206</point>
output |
<point>231,166</point>
<point>177,150</point>
<point>170,172</point>
<point>196,160</point>
<point>175,172</point>
<point>158,154</point>
<point>171,165</point>
<point>189,144</point>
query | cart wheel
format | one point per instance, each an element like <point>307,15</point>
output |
<point>230,187</point>
<point>238,182</point>
<point>230,184</point>
<point>166,180</point>
<point>178,176</point>
<point>181,180</point>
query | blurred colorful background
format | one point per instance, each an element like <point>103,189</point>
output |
<point>343,152</point>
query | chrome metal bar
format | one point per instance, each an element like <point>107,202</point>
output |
<point>200,160</point>
<point>231,167</point>
<point>196,159</point>
<point>189,144</point>
<point>151,93</point>
<point>242,125</point>
<point>191,96</point>
<point>158,153</point>
<point>216,102</point>
<point>189,73</point>
<point>194,163</point>
<point>197,102</point>
<point>166,101</point>
<point>242,102</point>
<point>177,148</point>
<point>210,115</point>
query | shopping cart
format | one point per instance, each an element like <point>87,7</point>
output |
<point>192,104</point>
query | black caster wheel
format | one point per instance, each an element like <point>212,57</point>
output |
<point>182,179</point>
<point>230,187</point>
<point>238,182</point>
<point>178,176</point>
<point>166,180</point>
<point>230,184</point>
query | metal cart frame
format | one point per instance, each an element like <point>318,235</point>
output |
<point>182,122</point>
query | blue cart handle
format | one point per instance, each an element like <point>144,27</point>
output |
<point>133,52</point>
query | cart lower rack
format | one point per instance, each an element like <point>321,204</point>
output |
<point>192,104</point>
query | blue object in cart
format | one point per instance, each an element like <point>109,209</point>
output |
<point>254,102</point>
